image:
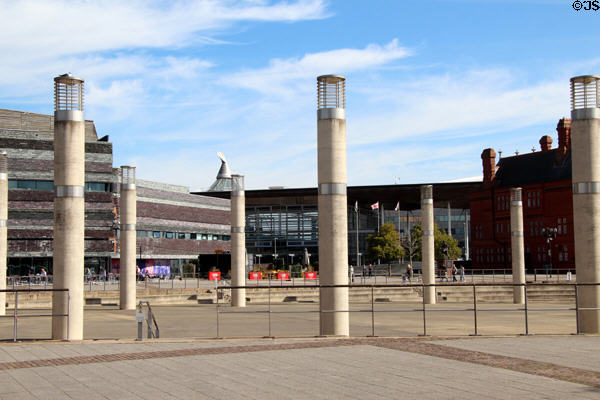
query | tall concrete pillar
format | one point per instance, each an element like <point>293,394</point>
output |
<point>127,216</point>
<point>517,246</point>
<point>69,223</point>
<point>585,156</point>
<point>428,245</point>
<point>3,227</point>
<point>332,204</point>
<point>238,240</point>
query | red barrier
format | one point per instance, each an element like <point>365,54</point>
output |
<point>310,275</point>
<point>255,276</point>
<point>214,275</point>
<point>283,275</point>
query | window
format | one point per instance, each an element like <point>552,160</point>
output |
<point>479,232</point>
<point>156,235</point>
<point>97,187</point>
<point>193,236</point>
<point>169,235</point>
<point>180,235</point>
<point>534,199</point>
<point>204,236</point>
<point>562,225</point>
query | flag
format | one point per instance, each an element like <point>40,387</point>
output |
<point>375,206</point>
<point>356,206</point>
<point>397,208</point>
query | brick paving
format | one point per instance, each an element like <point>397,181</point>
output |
<point>422,347</point>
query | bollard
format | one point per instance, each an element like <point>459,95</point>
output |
<point>139,317</point>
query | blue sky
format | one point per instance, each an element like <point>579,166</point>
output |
<point>430,84</point>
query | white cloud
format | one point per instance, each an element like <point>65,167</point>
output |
<point>460,105</point>
<point>287,76</point>
<point>42,28</point>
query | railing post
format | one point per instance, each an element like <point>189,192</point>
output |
<point>149,321</point>
<point>576,286</point>
<point>475,309</point>
<point>217,309</point>
<point>15,316</point>
<point>424,317</point>
<point>526,312</point>
<point>372,310</point>
<point>270,308</point>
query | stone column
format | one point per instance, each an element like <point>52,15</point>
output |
<point>332,204</point>
<point>69,207</point>
<point>3,227</point>
<point>585,156</point>
<point>517,245</point>
<point>127,238</point>
<point>428,247</point>
<point>238,240</point>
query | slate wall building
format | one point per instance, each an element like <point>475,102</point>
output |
<point>27,139</point>
<point>545,177</point>
<point>173,227</point>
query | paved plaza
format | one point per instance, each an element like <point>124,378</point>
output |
<point>554,367</point>
<point>189,362</point>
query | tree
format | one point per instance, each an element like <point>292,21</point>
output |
<point>439,238</point>
<point>413,244</point>
<point>385,244</point>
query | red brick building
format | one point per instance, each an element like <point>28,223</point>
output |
<point>545,177</point>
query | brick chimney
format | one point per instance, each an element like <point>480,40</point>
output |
<point>546,143</point>
<point>564,139</point>
<point>488,159</point>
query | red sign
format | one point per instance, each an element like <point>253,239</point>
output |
<point>283,275</point>
<point>214,275</point>
<point>310,275</point>
<point>255,276</point>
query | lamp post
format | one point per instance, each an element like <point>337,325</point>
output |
<point>290,266</point>
<point>550,235</point>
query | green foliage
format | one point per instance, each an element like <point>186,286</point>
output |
<point>454,251</point>
<point>413,244</point>
<point>384,245</point>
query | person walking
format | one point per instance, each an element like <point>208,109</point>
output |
<point>462,273</point>
<point>351,273</point>
<point>370,270</point>
<point>409,272</point>
<point>454,272</point>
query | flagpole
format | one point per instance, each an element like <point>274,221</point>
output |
<point>357,247</point>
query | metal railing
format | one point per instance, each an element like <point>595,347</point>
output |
<point>150,321</point>
<point>15,315</point>
<point>100,282</point>
<point>525,308</point>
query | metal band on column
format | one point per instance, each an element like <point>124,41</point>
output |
<point>332,188</point>
<point>69,191</point>
<point>586,188</point>
<point>3,223</point>
<point>238,229</point>
<point>128,227</point>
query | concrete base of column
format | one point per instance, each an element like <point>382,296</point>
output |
<point>333,265</point>
<point>68,268</point>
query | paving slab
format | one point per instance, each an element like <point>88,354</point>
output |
<point>356,368</point>
<point>571,351</point>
